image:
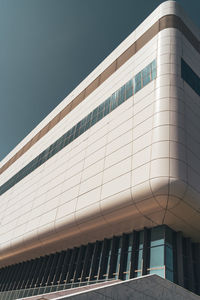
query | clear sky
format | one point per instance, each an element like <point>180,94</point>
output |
<point>47,47</point>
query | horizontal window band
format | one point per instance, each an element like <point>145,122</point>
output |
<point>168,21</point>
<point>131,87</point>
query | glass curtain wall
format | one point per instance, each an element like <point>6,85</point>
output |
<point>158,250</point>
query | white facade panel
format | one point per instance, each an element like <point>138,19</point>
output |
<point>139,166</point>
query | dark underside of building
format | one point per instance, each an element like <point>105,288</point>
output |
<point>158,250</point>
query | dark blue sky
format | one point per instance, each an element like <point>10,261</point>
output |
<point>47,47</point>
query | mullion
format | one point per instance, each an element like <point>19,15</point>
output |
<point>8,273</point>
<point>41,270</point>
<point>27,285</point>
<point>77,271</point>
<point>36,263</point>
<point>25,275</point>
<point>46,270</point>
<point>2,272</point>
<point>179,259</point>
<point>52,269</point>
<point>134,253</point>
<point>70,272</point>
<point>95,263</point>
<point>88,253</point>
<point>20,276</point>
<point>9,277</point>
<point>103,259</point>
<point>65,266</point>
<point>113,257</point>
<point>58,269</point>
<point>123,257</point>
<point>145,253</point>
<point>16,273</point>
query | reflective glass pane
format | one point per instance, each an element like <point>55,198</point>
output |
<point>121,95</point>
<point>98,258</point>
<point>128,262</point>
<point>168,236</point>
<point>94,120</point>
<point>169,257</point>
<point>107,107</point>
<point>157,236</point>
<point>129,88</point>
<point>153,69</point>
<point>130,241</point>
<point>156,257</point>
<point>101,107</point>
<point>141,239</point>
<point>169,275</point>
<point>139,266</point>
<point>107,258</point>
<point>146,75</point>
<point>113,101</point>
<point>137,83</point>
<point>100,116</point>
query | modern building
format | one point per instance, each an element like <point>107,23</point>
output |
<point>107,186</point>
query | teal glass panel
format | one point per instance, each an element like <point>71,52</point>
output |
<point>107,259</point>
<point>130,242</point>
<point>139,265</point>
<point>89,118</point>
<point>169,275</point>
<point>107,107</point>
<point>153,70</point>
<point>137,82</point>
<point>121,95</point>
<point>169,257</point>
<point>128,262</point>
<point>159,272</point>
<point>101,107</point>
<point>168,236</point>
<point>100,115</point>
<point>82,129</point>
<point>141,239</point>
<point>146,75</point>
<point>113,101</point>
<point>157,236</point>
<point>94,116</point>
<point>129,88</point>
<point>156,257</point>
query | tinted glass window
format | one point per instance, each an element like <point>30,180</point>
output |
<point>157,236</point>
<point>157,256</point>
<point>137,82</point>
<point>190,77</point>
